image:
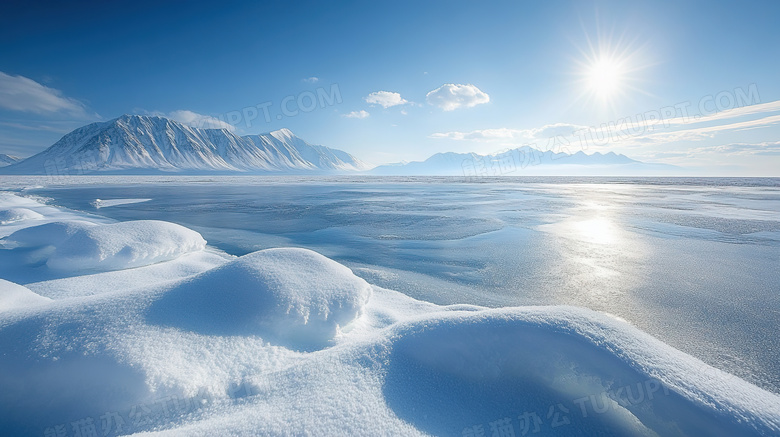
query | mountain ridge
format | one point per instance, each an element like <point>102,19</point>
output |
<point>7,160</point>
<point>520,161</point>
<point>149,144</point>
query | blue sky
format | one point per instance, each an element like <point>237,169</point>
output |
<point>396,81</point>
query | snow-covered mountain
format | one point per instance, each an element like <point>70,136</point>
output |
<point>522,161</point>
<point>7,159</point>
<point>134,144</point>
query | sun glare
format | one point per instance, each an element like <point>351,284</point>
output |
<point>596,230</point>
<point>608,70</point>
<point>604,77</point>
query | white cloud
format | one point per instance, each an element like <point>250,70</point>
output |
<point>19,93</point>
<point>741,111</point>
<point>385,98</point>
<point>51,126</point>
<point>499,134</point>
<point>628,131</point>
<point>555,130</point>
<point>194,119</point>
<point>512,135</point>
<point>647,129</point>
<point>700,133</point>
<point>312,79</point>
<point>453,96</point>
<point>357,114</point>
<point>762,149</point>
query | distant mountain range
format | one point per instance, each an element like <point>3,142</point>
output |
<point>522,161</point>
<point>136,144</point>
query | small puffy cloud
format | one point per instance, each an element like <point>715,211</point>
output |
<point>452,96</point>
<point>312,79</point>
<point>385,98</point>
<point>194,119</point>
<point>357,114</point>
<point>19,93</point>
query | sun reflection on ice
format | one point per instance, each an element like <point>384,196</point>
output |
<point>597,256</point>
<point>599,230</point>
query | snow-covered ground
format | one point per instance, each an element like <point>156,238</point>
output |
<point>140,327</point>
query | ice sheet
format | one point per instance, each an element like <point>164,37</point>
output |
<point>146,358</point>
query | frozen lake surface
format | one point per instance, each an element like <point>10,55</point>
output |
<point>694,262</point>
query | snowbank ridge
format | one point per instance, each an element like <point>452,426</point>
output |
<point>293,296</point>
<point>12,215</point>
<point>124,245</point>
<point>288,342</point>
<point>14,296</point>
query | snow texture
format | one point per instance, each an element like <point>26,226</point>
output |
<point>14,296</point>
<point>11,215</point>
<point>288,342</point>
<point>124,245</point>
<point>49,234</point>
<point>294,296</point>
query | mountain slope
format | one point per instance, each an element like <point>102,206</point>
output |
<point>7,160</point>
<point>143,144</point>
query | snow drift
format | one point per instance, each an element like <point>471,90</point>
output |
<point>49,234</point>
<point>289,342</point>
<point>15,296</point>
<point>579,373</point>
<point>12,215</point>
<point>122,245</point>
<point>295,296</point>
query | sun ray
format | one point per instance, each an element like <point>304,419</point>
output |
<point>607,69</point>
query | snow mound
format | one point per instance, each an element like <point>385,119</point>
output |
<point>570,370</point>
<point>12,215</point>
<point>220,347</point>
<point>49,234</point>
<point>292,296</point>
<point>14,296</point>
<point>124,245</point>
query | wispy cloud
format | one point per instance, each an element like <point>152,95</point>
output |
<point>512,135</point>
<point>452,96</point>
<point>761,149</point>
<point>194,119</point>
<point>759,108</point>
<point>18,93</point>
<point>57,127</point>
<point>498,134</point>
<point>357,114</point>
<point>312,79</point>
<point>386,99</point>
<point>636,131</point>
<point>699,133</point>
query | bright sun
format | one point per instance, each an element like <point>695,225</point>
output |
<point>604,77</point>
<point>608,71</point>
